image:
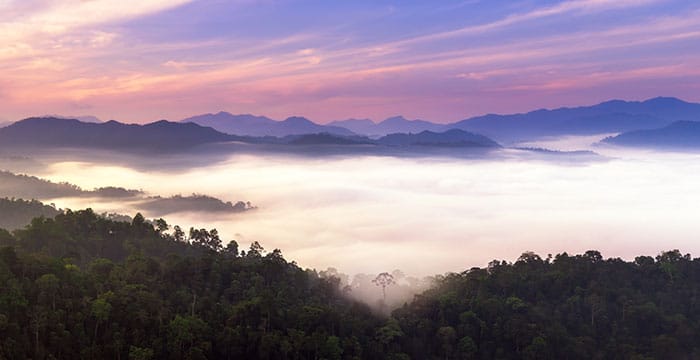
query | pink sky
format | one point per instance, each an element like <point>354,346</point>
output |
<point>328,61</point>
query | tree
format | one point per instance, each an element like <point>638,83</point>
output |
<point>101,309</point>
<point>207,239</point>
<point>389,333</point>
<point>256,250</point>
<point>48,285</point>
<point>231,249</point>
<point>178,234</point>
<point>137,353</point>
<point>162,226</point>
<point>447,336</point>
<point>467,348</point>
<point>384,279</point>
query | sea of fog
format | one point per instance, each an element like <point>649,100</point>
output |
<point>366,214</point>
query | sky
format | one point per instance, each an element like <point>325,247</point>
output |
<point>144,60</point>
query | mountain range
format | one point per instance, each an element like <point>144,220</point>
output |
<point>610,117</point>
<point>392,125</point>
<point>83,118</point>
<point>158,136</point>
<point>166,136</point>
<point>449,138</point>
<point>678,135</point>
<point>615,116</point>
<point>251,125</point>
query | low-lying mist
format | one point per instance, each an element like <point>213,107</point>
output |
<point>20,186</point>
<point>425,216</point>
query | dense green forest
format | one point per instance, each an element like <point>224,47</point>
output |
<point>80,285</point>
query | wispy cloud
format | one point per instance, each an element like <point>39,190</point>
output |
<point>64,15</point>
<point>26,25</point>
<point>574,6</point>
<point>61,53</point>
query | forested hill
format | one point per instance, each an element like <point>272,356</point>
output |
<point>81,286</point>
<point>681,135</point>
<point>17,213</point>
<point>565,307</point>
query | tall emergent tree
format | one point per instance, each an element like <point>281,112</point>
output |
<point>384,279</point>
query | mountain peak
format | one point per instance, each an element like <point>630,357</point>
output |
<point>395,119</point>
<point>46,120</point>
<point>297,120</point>
<point>161,122</point>
<point>83,118</point>
<point>677,135</point>
<point>613,102</point>
<point>663,100</point>
<point>255,125</point>
<point>449,138</point>
<point>161,135</point>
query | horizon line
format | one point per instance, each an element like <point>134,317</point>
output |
<point>78,117</point>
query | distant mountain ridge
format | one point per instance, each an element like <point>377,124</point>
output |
<point>166,136</point>
<point>678,135</point>
<point>614,116</point>
<point>607,117</point>
<point>392,125</point>
<point>57,132</point>
<point>251,125</point>
<point>326,139</point>
<point>83,118</point>
<point>449,138</point>
<point>358,126</point>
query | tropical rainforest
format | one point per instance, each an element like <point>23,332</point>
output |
<point>78,285</point>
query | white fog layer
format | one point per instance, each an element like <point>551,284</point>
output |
<point>426,216</point>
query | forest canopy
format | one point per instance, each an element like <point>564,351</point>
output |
<point>80,285</point>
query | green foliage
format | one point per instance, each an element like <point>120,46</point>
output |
<point>569,307</point>
<point>79,286</point>
<point>82,286</point>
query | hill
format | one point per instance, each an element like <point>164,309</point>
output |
<point>17,213</point>
<point>392,125</point>
<point>449,138</point>
<point>251,125</point>
<point>326,139</point>
<point>31,187</point>
<point>158,136</point>
<point>98,288</point>
<point>614,116</point>
<point>83,118</point>
<point>84,286</point>
<point>562,307</point>
<point>608,117</point>
<point>679,135</point>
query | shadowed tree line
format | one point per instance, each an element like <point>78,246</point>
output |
<point>565,307</point>
<point>31,187</point>
<point>83,286</point>
<point>17,213</point>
